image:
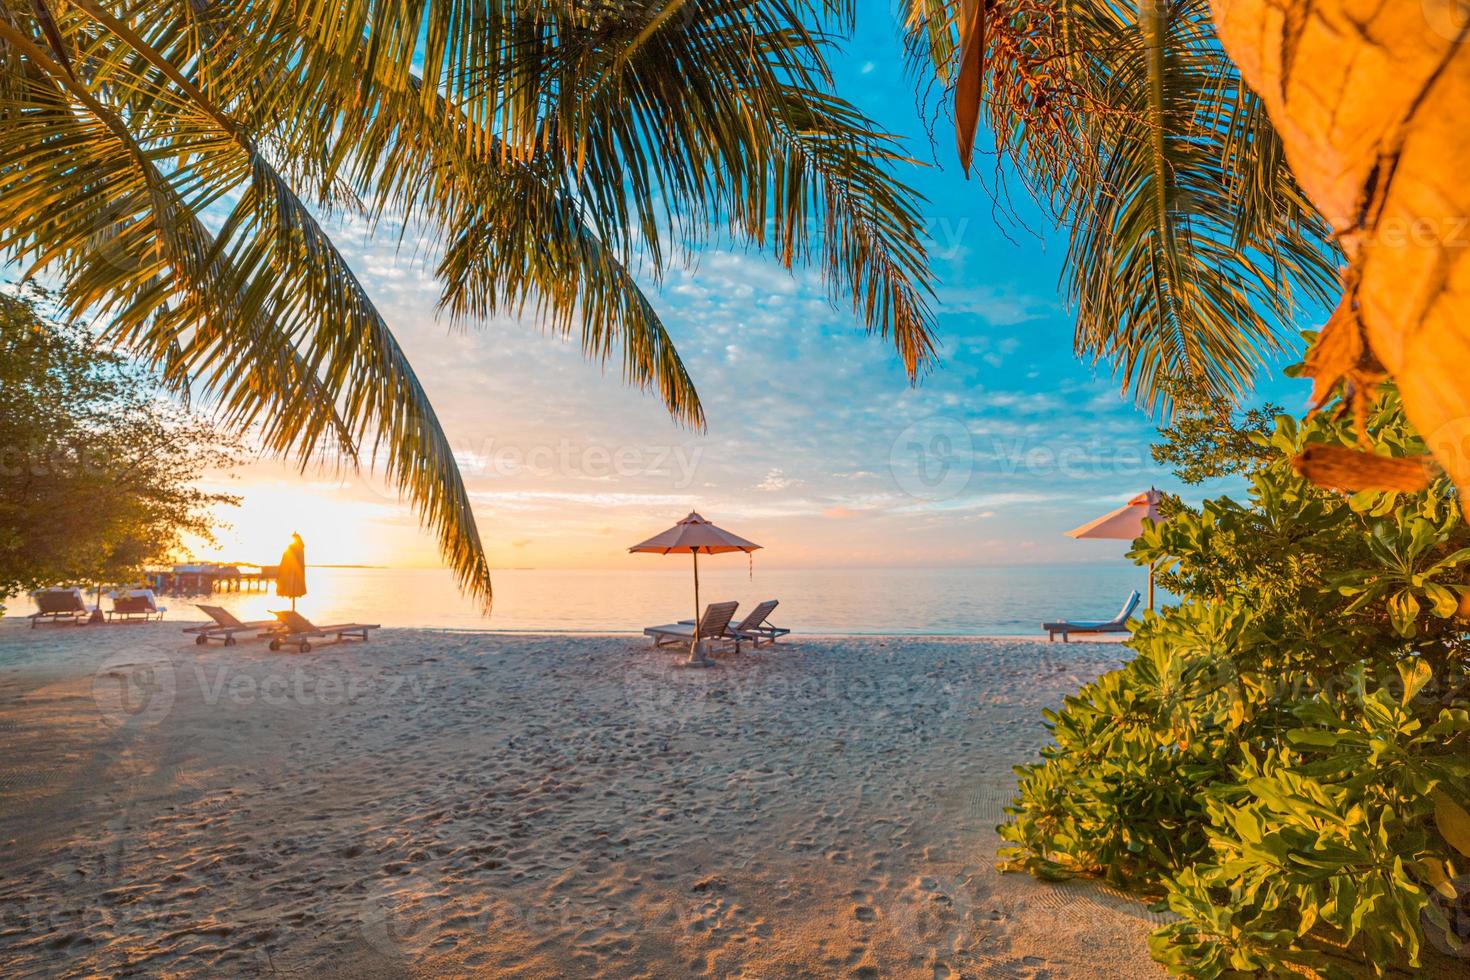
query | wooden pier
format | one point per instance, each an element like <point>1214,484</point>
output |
<point>209,579</point>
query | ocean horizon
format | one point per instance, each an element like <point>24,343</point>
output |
<point>943,601</point>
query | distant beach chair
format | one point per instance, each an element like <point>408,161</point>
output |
<point>225,626</point>
<point>60,605</point>
<point>135,605</point>
<point>1118,624</point>
<point>712,626</point>
<point>754,627</point>
<point>296,628</point>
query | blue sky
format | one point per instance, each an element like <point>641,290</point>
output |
<point>817,445</point>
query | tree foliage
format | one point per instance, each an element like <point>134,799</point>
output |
<point>1210,437</point>
<point>1286,759</point>
<point>99,469</point>
<point>166,161</point>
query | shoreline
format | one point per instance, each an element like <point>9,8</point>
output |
<point>1112,639</point>
<point>533,805</point>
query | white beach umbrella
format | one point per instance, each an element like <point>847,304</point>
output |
<point>1125,524</point>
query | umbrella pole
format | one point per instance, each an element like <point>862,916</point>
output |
<point>1151,566</point>
<point>694,651</point>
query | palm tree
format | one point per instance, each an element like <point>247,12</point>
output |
<point>1372,107</point>
<point>1189,239</point>
<point>164,161</point>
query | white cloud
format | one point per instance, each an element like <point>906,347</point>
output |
<point>776,479</point>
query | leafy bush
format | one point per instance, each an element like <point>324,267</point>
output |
<point>1285,762</point>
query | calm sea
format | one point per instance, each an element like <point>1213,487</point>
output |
<point>948,601</point>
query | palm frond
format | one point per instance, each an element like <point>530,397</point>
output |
<point>559,149</point>
<point>1190,244</point>
<point>653,137</point>
<point>266,313</point>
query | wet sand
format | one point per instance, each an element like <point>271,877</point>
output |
<point>445,804</point>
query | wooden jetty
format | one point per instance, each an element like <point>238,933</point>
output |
<point>208,578</point>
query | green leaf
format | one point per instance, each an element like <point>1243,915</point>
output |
<point>1438,877</point>
<point>1403,610</point>
<point>1453,822</point>
<point>1415,674</point>
<point>1444,602</point>
<point>1312,738</point>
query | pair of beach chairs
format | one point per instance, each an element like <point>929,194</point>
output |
<point>715,626</point>
<point>67,606</point>
<point>1118,624</point>
<point>288,628</point>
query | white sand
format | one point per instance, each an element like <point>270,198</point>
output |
<point>448,804</point>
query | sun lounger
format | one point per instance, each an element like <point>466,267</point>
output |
<point>135,605</point>
<point>225,626</point>
<point>712,626</point>
<point>60,606</point>
<point>753,627</point>
<point>1118,624</point>
<point>296,628</point>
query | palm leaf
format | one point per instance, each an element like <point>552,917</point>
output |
<point>1189,241</point>
<point>560,149</point>
<point>270,264</point>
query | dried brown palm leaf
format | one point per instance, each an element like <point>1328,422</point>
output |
<point>1352,470</point>
<point>970,77</point>
<point>1371,102</point>
<point>1341,356</point>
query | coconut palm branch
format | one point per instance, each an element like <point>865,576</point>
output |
<point>164,161</point>
<point>1190,243</point>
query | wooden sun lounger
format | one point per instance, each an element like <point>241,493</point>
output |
<point>712,626</point>
<point>754,627</point>
<point>60,606</point>
<point>1118,624</point>
<point>135,607</point>
<point>299,630</point>
<point>225,626</point>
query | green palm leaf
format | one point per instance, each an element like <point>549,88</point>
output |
<point>270,264</point>
<point>557,148</point>
<point>1189,241</point>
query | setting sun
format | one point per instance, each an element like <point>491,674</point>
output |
<point>344,523</point>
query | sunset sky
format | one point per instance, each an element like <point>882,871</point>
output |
<point>817,445</point>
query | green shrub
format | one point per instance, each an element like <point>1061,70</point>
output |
<point>1285,762</point>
